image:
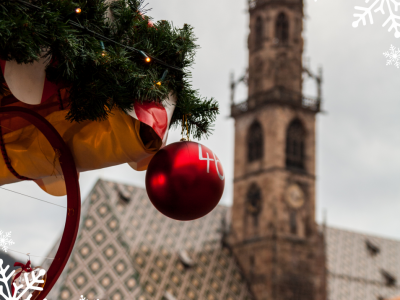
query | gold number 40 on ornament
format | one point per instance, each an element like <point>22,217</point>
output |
<point>208,159</point>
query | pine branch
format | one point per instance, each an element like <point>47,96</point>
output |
<point>98,79</point>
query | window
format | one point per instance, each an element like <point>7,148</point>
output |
<point>255,145</point>
<point>371,248</point>
<point>259,33</point>
<point>293,222</point>
<point>252,266</point>
<point>295,145</point>
<point>282,29</point>
<point>186,259</point>
<point>168,296</point>
<point>390,280</point>
<point>123,198</point>
<point>253,205</point>
<point>259,66</point>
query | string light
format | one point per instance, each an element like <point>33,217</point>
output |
<point>163,77</point>
<point>103,53</point>
<point>72,14</point>
<point>85,29</point>
<point>146,57</point>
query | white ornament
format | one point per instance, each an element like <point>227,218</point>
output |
<point>393,56</point>
<point>5,240</point>
<point>383,6</point>
<point>20,290</point>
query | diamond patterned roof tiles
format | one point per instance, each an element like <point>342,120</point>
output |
<point>126,249</point>
<point>355,273</point>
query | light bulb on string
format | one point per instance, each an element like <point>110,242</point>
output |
<point>159,83</point>
<point>103,53</point>
<point>146,57</point>
<point>74,13</point>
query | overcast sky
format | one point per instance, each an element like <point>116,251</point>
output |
<point>358,135</point>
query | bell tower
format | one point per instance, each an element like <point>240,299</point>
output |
<point>273,233</point>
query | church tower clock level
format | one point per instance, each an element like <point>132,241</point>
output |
<point>273,233</point>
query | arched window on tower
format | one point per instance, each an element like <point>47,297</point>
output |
<point>295,145</point>
<point>282,29</point>
<point>259,32</point>
<point>253,202</point>
<point>293,222</point>
<point>255,143</point>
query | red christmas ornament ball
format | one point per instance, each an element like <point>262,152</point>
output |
<point>185,181</point>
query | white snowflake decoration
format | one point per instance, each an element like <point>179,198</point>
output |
<point>393,56</point>
<point>5,240</point>
<point>30,284</point>
<point>391,6</point>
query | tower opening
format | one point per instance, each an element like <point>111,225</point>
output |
<point>282,29</point>
<point>259,33</point>
<point>295,145</point>
<point>293,222</point>
<point>254,202</point>
<point>255,143</point>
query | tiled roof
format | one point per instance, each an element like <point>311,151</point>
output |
<point>361,266</point>
<point>126,249</point>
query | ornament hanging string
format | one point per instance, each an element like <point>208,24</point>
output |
<point>29,255</point>
<point>32,197</point>
<point>185,125</point>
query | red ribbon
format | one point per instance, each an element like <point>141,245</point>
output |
<point>27,268</point>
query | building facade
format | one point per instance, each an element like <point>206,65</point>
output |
<point>274,234</point>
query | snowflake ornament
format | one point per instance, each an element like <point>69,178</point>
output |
<point>5,240</point>
<point>19,290</point>
<point>393,56</point>
<point>383,6</point>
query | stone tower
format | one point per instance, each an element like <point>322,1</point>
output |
<point>273,233</point>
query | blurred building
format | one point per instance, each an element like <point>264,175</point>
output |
<point>274,234</point>
<point>268,245</point>
<point>126,249</point>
